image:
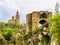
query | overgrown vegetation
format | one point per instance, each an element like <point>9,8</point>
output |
<point>7,31</point>
<point>54,26</point>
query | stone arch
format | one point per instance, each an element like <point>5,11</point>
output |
<point>42,21</point>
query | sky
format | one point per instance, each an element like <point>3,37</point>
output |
<point>8,8</point>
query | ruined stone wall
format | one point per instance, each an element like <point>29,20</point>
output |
<point>35,17</point>
<point>29,22</point>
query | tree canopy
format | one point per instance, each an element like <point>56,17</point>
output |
<point>8,32</point>
<point>54,26</point>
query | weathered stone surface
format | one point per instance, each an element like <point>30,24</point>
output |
<point>32,19</point>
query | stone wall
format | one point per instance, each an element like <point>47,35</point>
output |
<point>29,22</point>
<point>32,20</point>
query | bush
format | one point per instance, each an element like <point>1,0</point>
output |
<point>8,32</point>
<point>54,26</point>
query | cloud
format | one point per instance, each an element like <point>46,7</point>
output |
<point>28,5</point>
<point>9,7</point>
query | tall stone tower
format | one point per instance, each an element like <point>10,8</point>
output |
<point>36,18</point>
<point>29,22</point>
<point>17,18</point>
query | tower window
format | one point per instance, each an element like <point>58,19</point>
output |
<point>42,21</point>
<point>44,15</point>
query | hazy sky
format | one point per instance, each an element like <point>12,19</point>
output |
<point>8,8</point>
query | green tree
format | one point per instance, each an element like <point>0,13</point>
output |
<point>8,32</point>
<point>54,26</point>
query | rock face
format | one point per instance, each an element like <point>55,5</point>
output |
<point>35,18</point>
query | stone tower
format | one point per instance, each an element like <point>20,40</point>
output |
<point>29,22</point>
<point>36,18</point>
<point>17,18</point>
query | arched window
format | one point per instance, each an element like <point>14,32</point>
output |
<point>42,21</point>
<point>44,15</point>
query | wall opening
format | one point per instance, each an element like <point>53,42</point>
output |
<point>44,15</point>
<point>42,21</point>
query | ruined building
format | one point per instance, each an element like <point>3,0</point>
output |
<point>36,18</point>
<point>15,20</point>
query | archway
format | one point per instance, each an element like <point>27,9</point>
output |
<point>42,21</point>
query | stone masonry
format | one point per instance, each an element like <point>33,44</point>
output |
<point>35,18</point>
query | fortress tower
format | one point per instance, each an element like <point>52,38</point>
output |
<point>36,18</point>
<point>29,22</point>
<point>17,18</point>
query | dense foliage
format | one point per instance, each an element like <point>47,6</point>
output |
<point>8,32</point>
<point>54,26</point>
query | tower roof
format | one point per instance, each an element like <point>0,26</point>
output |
<point>17,13</point>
